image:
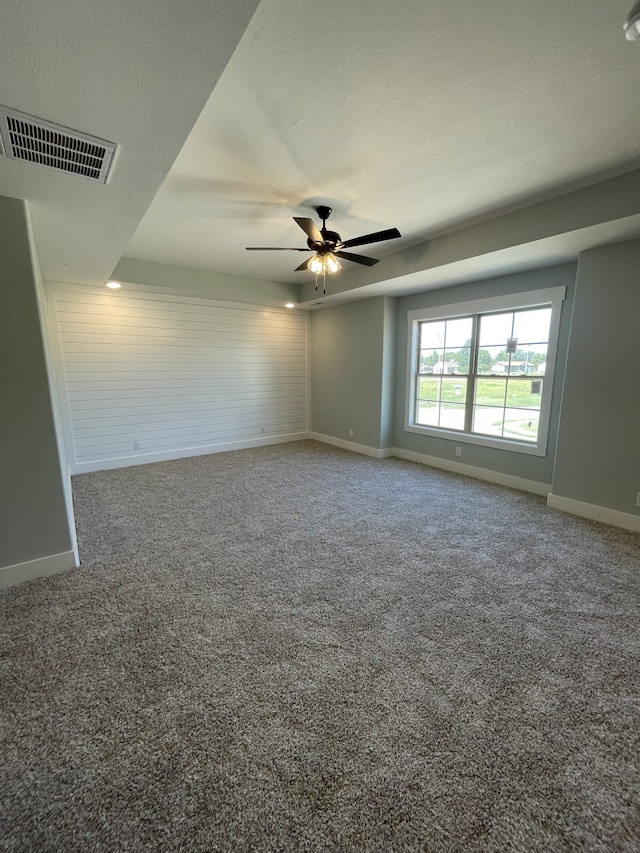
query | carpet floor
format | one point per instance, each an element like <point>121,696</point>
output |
<point>297,648</point>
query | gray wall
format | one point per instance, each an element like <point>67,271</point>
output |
<point>536,468</point>
<point>351,371</point>
<point>594,437</point>
<point>390,321</point>
<point>598,457</point>
<point>33,517</point>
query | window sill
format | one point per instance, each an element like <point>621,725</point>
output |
<point>538,449</point>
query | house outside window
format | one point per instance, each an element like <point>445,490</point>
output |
<point>482,371</point>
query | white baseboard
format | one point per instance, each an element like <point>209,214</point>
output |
<point>351,445</point>
<point>435,462</point>
<point>595,513</point>
<point>40,568</point>
<point>182,453</point>
<point>497,477</point>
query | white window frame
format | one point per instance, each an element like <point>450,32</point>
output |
<point>551,296</point>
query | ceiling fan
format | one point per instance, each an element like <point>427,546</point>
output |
<point>328,246</point>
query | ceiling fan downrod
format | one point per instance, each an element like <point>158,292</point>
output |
<point>324,213</point>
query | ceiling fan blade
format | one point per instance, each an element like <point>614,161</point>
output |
<point>359,259</point>
<point>303,266</point>
<point>389,234</point>
<point>310,229</point>
<point>274,249</point>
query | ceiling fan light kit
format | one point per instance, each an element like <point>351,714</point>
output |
<point>325,264</point>
<point>328,246</point>
<point>632,23</point>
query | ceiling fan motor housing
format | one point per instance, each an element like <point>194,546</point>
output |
<point>331,240</point>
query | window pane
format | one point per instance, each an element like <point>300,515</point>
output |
<point>428,360</point>
<point>429,388</point>
<point>495,329</point>
<point>490,392</point>
<point>532,327</point>
<point>485,359</point>
<point>441,402</point>
<point>487,420</point>
<point>432,335</point>
<point>522,393</point>
<point>427,413</point>
<point>458,332</point>
<point>528,359</point>
<point>493,359</point>
<point>537,359</point>
<point>521,424</point>
<point>460,358</point>
<point>454,394</point>
<point>446,367</point>
<point>452,415</point>
<point>517,366</point>
<point>454,390</point>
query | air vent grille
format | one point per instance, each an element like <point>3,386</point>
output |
<point>36,141</point>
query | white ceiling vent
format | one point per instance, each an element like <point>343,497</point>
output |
<point>36,141</point>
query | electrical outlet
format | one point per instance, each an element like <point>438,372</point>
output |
<point>262,429</point>
<point>350,433</point>
<point>638,499</point>
<point>458,451</point>
<point>136,445</point>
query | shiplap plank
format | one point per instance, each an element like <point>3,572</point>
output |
<point>150,423</point>
<point>150,419</point>
<point>137,347</point>
<point>83,408</point>
<point>99,324</point>
<point>199,376</point>
<point>131,395</point>
<point>171,321</point>
<point>129,336</point>
<point>122,361</point>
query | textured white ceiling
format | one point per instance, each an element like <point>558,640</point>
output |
<point>417,115</point>
<point>422,116</point>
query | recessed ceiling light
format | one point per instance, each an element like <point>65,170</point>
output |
<point>114,285</point>
<point>289,305</point>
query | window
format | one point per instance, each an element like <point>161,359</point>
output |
<point>482,371</point>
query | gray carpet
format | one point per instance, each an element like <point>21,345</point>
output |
<point>300,648</point>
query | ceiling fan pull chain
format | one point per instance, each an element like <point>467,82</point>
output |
<point>324,282</point>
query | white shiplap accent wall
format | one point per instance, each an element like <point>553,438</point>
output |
<point>150,375</point>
